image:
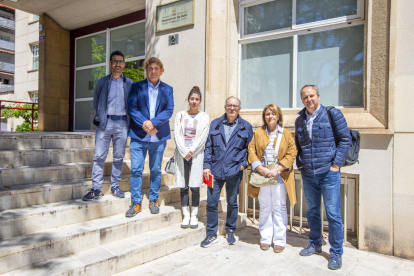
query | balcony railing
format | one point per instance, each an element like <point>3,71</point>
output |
<point>7,45</point>
<point>6,67</point>
<point>7,23</point>
<point>6,87</point>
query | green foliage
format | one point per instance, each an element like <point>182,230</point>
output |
<point>132,73</point>
<point>98,56</point>
<point>25,114</point>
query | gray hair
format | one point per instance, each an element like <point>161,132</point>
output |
<point>314,87</point>
<point>232,97</point>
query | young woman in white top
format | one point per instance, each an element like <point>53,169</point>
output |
<point>190,133</point>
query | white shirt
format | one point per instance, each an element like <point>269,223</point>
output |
<point>152,98</point>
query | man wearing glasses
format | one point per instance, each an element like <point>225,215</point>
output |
<point>225,157</point>
<point>110,101</point>
<point>150,106</point>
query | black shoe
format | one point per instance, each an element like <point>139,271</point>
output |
<point>135,209</point>
<point>154,208</point>
<point>335,262</point>
<point>231,238</point>
<point>310,250</point>
<point>92,194</point>
<point>209,241</point>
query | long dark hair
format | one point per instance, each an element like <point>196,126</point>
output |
<point>194,90</point>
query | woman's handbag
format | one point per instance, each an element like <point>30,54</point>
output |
<point>170,167</point>
<point>257,179</point>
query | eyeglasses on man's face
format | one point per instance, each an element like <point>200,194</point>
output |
<point>232,106</point>
<point>155,69</point>
<point>118,62</point>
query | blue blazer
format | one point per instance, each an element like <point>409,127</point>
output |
<point>100,98</point>
<point>225,160</point>
<point>139,110</point>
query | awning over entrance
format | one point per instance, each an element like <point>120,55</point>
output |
<point>73,14</point>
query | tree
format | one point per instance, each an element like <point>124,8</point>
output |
<point>135,74</point>
<point>25,114</point>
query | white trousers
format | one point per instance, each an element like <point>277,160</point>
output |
<point>273,214</point>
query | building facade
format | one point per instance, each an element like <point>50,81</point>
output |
<point>356,51</point>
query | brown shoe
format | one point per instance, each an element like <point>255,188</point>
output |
<point>135,209</point>
<point>264,246</point>
<point>278,249</point>
<point>154,207</point>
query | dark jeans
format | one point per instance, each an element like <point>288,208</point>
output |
<point>213,197</point>
<point>328,185</point>
<point>195,192</point>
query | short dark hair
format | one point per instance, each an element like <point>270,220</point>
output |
<point>117,53</point>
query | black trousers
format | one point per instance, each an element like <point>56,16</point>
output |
<point>195,192</point>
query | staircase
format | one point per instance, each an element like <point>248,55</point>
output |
<point>46,228</point>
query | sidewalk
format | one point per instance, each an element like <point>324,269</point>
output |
<point>246,258</point>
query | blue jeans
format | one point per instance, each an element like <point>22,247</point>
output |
<point>213,197</point>
<point>328,185</point>
<point>138,153</point>
<point>117,130</point>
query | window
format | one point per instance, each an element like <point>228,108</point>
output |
<point>35,57</point>
<point>34,97</point>
<point>286,44</point>
<point>35,17</point>
<point>91,64</point>
<point>6,81</point>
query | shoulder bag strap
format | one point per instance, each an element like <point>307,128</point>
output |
<point>279,140</point>
<point>328,109</point>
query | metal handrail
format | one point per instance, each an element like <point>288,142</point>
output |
<point>21,108</point>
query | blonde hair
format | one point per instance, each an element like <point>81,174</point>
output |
<point>152,60</point>
<point>276,109</point>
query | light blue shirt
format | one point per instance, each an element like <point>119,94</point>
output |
<point>229,128</point>
<point>116,98</point>
<point>310,119</point>
<point>152,97</point>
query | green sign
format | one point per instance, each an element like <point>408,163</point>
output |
<point>174,15</point>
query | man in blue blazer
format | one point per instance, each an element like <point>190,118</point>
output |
<point>225,157</point>
<point>110,100</point>
<point>150,106</point>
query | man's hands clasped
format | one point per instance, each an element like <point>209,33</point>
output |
<point>149,128</point>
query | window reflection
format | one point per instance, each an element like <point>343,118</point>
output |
<point>86,81</point>
<point>311,10</point>
<point>334,61</point>
<point>266,75</point>
<point>129,40</point>
<point>84,113</point>
<point>268,16</point>
<point>91,50</point>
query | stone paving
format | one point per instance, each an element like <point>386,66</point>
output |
<point>246,258</point>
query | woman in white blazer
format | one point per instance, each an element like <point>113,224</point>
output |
<point>190,133</point>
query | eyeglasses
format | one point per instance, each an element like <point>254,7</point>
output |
<point>118,62</point>
<point>156,69</point>
<point>232,106</point>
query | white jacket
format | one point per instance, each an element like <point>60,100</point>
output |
<point>196,175</point>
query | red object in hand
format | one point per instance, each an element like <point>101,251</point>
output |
<point>210,181</point>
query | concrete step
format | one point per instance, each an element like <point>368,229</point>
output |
<point>70,171</point>
<point>56,242</point>
<point>44,157</point>
<point>22,221</point>
<point>47,140</point>
<point>123,254</point>
<point>20,196</point>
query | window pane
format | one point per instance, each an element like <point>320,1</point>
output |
<point>91,50</point>
<point>84,113</point>
<point>135,70</point>
<point>268,16</point>
<point>129,40</point>
<point>266,73</point>
<point>86,81</point>
<point>334,61</point>
<point>311,10</point>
